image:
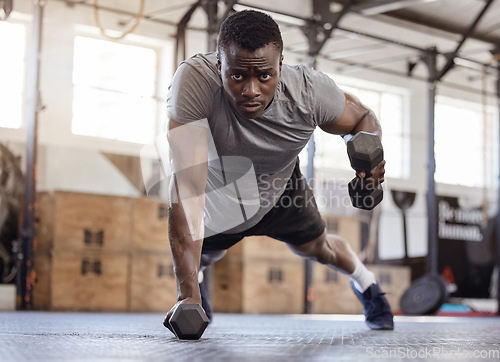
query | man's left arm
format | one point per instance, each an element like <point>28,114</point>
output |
<point>355,118</point>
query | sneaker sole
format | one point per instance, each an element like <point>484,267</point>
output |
<point>377,327</point>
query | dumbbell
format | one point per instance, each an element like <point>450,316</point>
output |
<point>365,152</point>
<point>189,321</point>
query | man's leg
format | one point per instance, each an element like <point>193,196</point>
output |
<point>207,258</point>
<point>210,257</point>
<point>336,253</point>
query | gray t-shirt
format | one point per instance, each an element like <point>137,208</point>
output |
<point>304,99</point>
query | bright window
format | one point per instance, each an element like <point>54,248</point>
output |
<point>389,107</point>
<point>12,73</point>
<point>464,144</point>
<point>114,88</point>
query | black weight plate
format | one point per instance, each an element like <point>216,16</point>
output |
<point>364,198</point>
<point>424,296</point>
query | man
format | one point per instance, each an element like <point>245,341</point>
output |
<point>243,103</point>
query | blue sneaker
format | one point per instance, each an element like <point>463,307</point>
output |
<point>205,303</point>
<point>378,314</point>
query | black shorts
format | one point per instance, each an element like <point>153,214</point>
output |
<point>294,219</point>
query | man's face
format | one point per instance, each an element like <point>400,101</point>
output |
<point>250,78</point>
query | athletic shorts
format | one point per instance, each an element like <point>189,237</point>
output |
<point>294,219</point>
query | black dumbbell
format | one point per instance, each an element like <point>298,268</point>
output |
<point>189,321</point>
<point>365,152</point>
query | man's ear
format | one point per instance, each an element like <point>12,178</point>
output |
<point>281,63</point>
<point>218,62</point>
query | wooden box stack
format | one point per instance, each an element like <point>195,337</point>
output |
<point>347,227</point>
<point>259,275</point>
<point>101,253</point>
<point>152,282</point>
<point>331,291</point>
<point>82,249</point>
<point>108,253</point>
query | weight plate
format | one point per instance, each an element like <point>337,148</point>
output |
<point>424,296</point>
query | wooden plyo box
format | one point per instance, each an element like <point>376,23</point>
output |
<point>262,275</point>
<point>150,226</point>
<point>102,253</point>
<point>258,286</point>
<point>273,286</point>
<point>89,281</point>
<point>77,221</point>
<point>259,275</point>
<point>227,286</point>
<point>262,247</point>
<point>152,283</point>
<point>346,227</point>
<point>332,292</point>
<point>82,252</point>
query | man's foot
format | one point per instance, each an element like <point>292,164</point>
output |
<point>205,303</point>
<point>378,313</point>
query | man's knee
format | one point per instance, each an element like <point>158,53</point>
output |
<point>208,258</point>
<point>324,249</point>
<point>312,249</point>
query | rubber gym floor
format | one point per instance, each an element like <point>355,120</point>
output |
<point>64,336</point>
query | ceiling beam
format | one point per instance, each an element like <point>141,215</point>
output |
<point>377,10</point>
<point>437,24</point>
<point>451,57</point>
<point>294,20</point>
<point>180,37</point>
<point>384,6</point>
<point>320,29</point>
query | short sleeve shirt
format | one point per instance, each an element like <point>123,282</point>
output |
<point>304,99</point>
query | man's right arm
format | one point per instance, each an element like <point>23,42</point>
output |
<point>188,175</point>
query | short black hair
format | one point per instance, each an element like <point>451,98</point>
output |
<point>250,30</point>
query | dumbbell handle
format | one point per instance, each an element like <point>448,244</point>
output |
<point>347,137</point>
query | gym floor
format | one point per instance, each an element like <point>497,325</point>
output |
<point>54,336</point>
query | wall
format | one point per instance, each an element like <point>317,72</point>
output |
<point>391,245</point>
<point>68,161</point>
<point>77,163</point>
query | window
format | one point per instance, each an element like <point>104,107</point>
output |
<point>114,88</point>
<point>390,109</point>
<point>464,143</point>
<point>12,73</point>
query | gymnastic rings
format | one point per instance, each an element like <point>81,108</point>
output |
<point>138,18</point>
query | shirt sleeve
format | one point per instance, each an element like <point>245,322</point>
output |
<point>191,92</point>
<point>328,99</point>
